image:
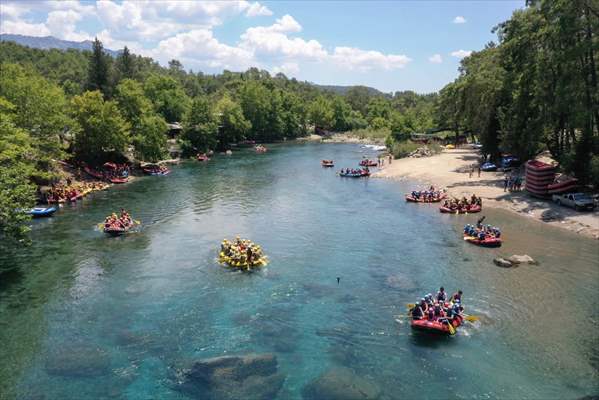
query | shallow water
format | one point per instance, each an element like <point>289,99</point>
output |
<point>156,297</point>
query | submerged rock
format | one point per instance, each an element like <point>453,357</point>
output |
<point>78,362</point>
<point>340,384</point>
<point>253,376</point>
<point>502,262</point>
<point>524,259</point>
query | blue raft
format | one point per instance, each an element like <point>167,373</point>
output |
<point>39,212</point>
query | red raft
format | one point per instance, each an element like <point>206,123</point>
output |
<point>470,209</point>
<point>368,163</point>
<point>486,242</point>
<point>117,228</point>
<point>412,199</point>
<point>436,326</point>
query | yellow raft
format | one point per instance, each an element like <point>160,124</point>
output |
<point>242,264</point>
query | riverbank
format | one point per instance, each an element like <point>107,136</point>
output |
<point>342,138</point>
<point>449,169</point>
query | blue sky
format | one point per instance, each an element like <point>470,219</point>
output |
<point>389,45</point>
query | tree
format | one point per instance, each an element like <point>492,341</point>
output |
<point>16,166</point>
<point>40,109</point>
<point>450,108</point>
<point>132,102</point>
<point>256,105</point>
<point>125,64</point>
<point>103,129</point>
<point>321,113</point>
<point>200,126</point>
<point>98,77</point>
<point>150,138</point>
<point>168,97</point>
<point>233,125</point>
<point>341,115</point>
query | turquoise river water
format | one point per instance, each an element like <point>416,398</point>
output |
<point>157,297</point>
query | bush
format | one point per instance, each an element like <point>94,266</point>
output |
<point>402,149</point>
<point>370,133</point>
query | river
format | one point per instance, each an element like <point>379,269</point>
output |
<point>156,297</point>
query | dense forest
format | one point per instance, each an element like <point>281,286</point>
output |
<point>535,89</point>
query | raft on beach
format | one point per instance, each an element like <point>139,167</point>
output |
<point>368,163</point>
<point>358,174</point>
<point>463,210</point>
<point>412,199</point>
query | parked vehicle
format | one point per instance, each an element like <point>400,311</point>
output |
<point>577,201</point>
<point>508,162</point>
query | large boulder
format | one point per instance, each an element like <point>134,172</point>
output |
<point>253,376</point>
<point>340,384</point>
<point>78,361</point>
<point>523,259</point>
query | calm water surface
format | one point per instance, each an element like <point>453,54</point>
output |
<point>157,297</point>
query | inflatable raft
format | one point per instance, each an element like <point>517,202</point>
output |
<point>357,175</point>
<point>327,163</point>
<point>412,199</point>
<point>368,163</point>
<point>40,212</point>
<point>487,242</point>
<point>202,157</point>
<point>117,229</point>
<point>436,326</point>
<point>471,209</point>
<point>223,259</point>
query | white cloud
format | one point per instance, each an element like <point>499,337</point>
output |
<point>459,20</point>
<point>461,53</point>
<point>436,59</point>
<point>62,24</point>
<point>273,41</point>
<point>257,9</point>
<point>365,60</point>
<point>199,48</point>
<point>24,28</point>
<point>289,68</point>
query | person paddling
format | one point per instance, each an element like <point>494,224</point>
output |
<point>456,297</point>
<point>417,312</point>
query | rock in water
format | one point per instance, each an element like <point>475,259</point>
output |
<point>253,376</point>
<point>502,262</point>
<point>524,259</point>
<point>340,384</point>
<point>78,362</point>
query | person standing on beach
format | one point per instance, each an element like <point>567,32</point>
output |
<point>390,159</point>
<point>479,171</point>
<point>470,172</point>
<point>505,183</point>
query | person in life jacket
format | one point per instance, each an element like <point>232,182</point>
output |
<point>423,304</point>
<point>417,312</point>
<point>441,295</point>
<point>438,310</point>
<point>456,297</point>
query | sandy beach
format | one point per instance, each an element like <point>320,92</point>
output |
<point>449,170</point>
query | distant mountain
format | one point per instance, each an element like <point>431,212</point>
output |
<point>342,90</point>
<point>50,42</point>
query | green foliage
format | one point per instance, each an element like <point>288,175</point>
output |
<point>126,65</point>
<point>536,90</point>
<point>103,129</point>
<point>233,125</point>
<point>168,96</point>
<point>371,134</point>
<point>98,77</point>
<point>200,127</point>
<point>39,108</point>
<point>150,139</point>
<point>402,149</point>
<point>16,166</point>
<point>133,103</point>
<point>321,113</point>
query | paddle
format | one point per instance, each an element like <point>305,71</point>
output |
<point>450,326</point>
